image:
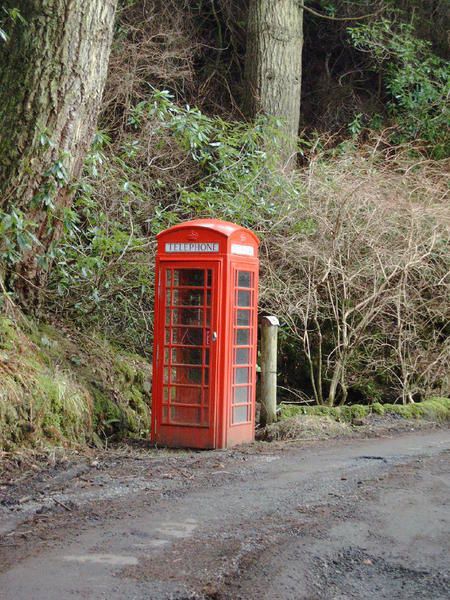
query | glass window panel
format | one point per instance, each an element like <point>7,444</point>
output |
<point>208,298</point>
<point>206,357</point>
<point>205,419</point>
<point>166,375</point>
<point>186,375</point>
<point>167,335</point>
<point>208,317</point>
<point>240,395</point>
<point>169,393</point>
<point>242,356</point>
<point>244,279</point>
<point>188,356</point>
<point>185,415</point>
<point>243,317</point>
<point>166,355</point>
<point>187,297</point>
<point>243,298</point>
<point>205,396</point>
<point>206,376</point>
<point>242,337</point>
<point>187,395</point>
<point>192,277</point>
<point>241,375</point>
<point>187,336</point>
<point>209,278</point>
<point>240,414</point>
<point>167,297</point>
<point>165,412</point>
<point>168,277</point>
<point>188,316</point>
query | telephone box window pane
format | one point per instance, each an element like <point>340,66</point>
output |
<point>190,277</point>
<point>242,356</point>
<point>186,375</point>
<point>165,413</point>
<point>206,376</point>
<point>167,297</point>
<point>189,356</point>
<point>208,298</point>
<point>187,316</point>
<point>206,357</point>
<point>166,375</point>
<point>169,394</point>
<point>167,335</point>
<point>187,336</point>
<point>240,395</point>
<point>241,375</point>
<point>243,317</point>
<point>242,337</point>
<point>244,279</point>
<point>209,279</point>
<point>208,317</point>
<point>205,420</point>
<point>243,298</point>
<point>188,395</point>
<point>168,277</point>
<point>185,415</point>
<point>189,297</point>
<point>240,414</point>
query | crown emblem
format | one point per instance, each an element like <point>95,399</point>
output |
<point>192,235</point>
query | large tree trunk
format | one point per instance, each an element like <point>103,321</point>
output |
<point>53,72</point>
<point>273,64</point>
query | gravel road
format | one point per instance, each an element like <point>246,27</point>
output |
<point>332,520</point>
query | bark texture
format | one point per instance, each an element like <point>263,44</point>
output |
<point>273,66</point>
<point>53,73</point>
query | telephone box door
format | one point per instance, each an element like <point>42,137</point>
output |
<point>186,361</point>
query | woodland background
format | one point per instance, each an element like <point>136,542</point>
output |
<point>336,157</point>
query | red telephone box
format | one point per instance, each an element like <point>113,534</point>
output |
<point>205,334</point>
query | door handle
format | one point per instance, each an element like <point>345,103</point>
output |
<point>214,336</point>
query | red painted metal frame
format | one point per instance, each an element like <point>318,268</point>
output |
<point>221,432</point>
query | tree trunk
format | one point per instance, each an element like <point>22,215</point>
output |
<point>53,72</point>
<point>273,65</point>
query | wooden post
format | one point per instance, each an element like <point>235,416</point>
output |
<point>269,337</point>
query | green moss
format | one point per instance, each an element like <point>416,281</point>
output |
<point>378,408</point>
<point>437,409</point>
<point>8,335</point>
<point>61,387</point>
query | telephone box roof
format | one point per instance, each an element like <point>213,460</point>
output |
<point>226,228</point>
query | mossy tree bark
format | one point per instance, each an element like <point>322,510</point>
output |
<point>273,64</point>
<point>53,72</point>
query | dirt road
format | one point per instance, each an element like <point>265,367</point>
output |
<point>331,520</point>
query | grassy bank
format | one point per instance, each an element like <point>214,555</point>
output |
<point>61,387</point>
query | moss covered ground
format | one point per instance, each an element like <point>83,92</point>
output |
<point>58,386</point>
<point>436,409</point>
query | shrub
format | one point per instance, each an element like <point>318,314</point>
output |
<point>417,81</point>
